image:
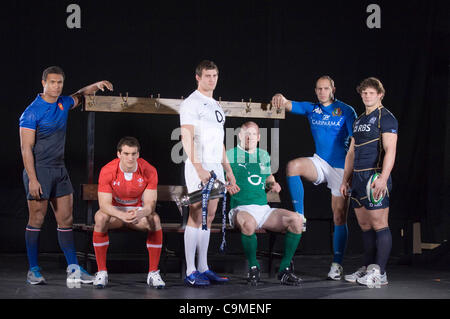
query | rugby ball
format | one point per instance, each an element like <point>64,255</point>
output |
<point>369,190</point>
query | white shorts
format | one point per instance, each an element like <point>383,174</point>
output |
<point>193,182</point>
<point>325,173</point>
<point>259,212</point>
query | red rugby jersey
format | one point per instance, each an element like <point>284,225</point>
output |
<point>127,189</point>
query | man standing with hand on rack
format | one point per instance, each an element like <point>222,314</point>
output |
<point>331,126</point>
<point>202,134</point>
<point>42,139</point>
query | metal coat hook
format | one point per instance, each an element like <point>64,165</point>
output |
<point>91,100</point>
<point>278,109</point>
<point>269,109</point>
<point>157,103</point>
<point>248,109</point>
<point>125,101</point>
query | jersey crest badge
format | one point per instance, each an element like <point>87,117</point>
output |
<point>337,112</point>
<point>61,107</point>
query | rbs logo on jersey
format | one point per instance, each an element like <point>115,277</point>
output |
<point>362,128</point>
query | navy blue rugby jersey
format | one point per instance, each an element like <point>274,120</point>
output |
<point>367,130</point>
<point>49,120</point>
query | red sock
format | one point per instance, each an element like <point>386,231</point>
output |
<point>154,245</point>
<point>101,243</point>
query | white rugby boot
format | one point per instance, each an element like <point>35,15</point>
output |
<point>336,272</point>
<point>101,279</point>
<point>361,272</point>
<point>373,277</point>
<point>154,280</point>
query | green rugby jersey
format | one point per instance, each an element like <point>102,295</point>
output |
<point>251,172</point>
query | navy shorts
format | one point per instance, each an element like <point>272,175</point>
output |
<point>358,192</point>
<point>55,182</point>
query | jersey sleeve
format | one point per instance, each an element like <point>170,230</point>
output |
<point>389,123</point>
<point>188,114</point>
<point>265,163</point>
<point>151,176</point>
<point>104,181</point>
<point>302,108</point>
<point>28,119</point>
<point>69,102</point>
<point>350,120</point>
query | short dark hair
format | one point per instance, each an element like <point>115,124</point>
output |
<point>52,70</point>
<point>205,65</point>
<point>128,141</point>
<point>371,83</point>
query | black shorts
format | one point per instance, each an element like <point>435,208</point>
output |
<point>358,192</point>
<point>55,182</point>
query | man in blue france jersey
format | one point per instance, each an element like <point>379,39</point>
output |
<point>372,150</point>
<point>42,139</point>
<point>331,127</point>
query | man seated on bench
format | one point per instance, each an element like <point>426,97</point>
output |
<point>249,209</point>
<point>127,194</point>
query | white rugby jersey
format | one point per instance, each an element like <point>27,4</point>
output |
<point>208,119</point>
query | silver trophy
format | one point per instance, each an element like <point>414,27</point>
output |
<point>217,191</point>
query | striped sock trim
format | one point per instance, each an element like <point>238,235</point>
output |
<point>154,246</point>
<point>64,229</point>
<point>29,228</point>
<point>101,244</point>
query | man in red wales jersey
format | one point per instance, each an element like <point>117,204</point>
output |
<point>127,194</point>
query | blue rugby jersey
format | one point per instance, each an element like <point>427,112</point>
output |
<point>49,120</point>
<point>367,131</point>
<point>331,128</point>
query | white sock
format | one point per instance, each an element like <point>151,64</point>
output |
<point>190,245</point>
<point>202,248</point>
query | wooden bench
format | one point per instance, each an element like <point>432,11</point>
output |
<point>166,193</point>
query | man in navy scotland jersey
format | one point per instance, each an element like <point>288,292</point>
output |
<point>372,150</point>
<point>331,127</point>
<point>42,138</point>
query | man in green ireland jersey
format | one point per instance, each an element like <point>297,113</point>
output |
<point>249,208</point>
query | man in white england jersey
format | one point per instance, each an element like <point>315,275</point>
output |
<point>202,120</point>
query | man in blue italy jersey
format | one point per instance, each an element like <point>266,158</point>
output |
<point>42,139</point>
<point>331,126</point>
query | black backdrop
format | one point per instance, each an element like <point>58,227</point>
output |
<point>261,47</point>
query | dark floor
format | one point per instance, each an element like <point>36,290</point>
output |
<point>405,282</point>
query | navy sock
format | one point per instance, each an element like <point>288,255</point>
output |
<point>32,243</point>
<point>296,190</point>
<point>370,247</point>
<point>339,242</point>
<point>384,245</point>
<point>66,242</point>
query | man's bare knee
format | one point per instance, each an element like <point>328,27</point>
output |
<point>293,168</point>
<point>36,220</point>
<point>65,221</point>
<point>295,223</point>
<point>101,220</point>
<point>365,226</point>
<point>339,218</point>
<point>247,226</point>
